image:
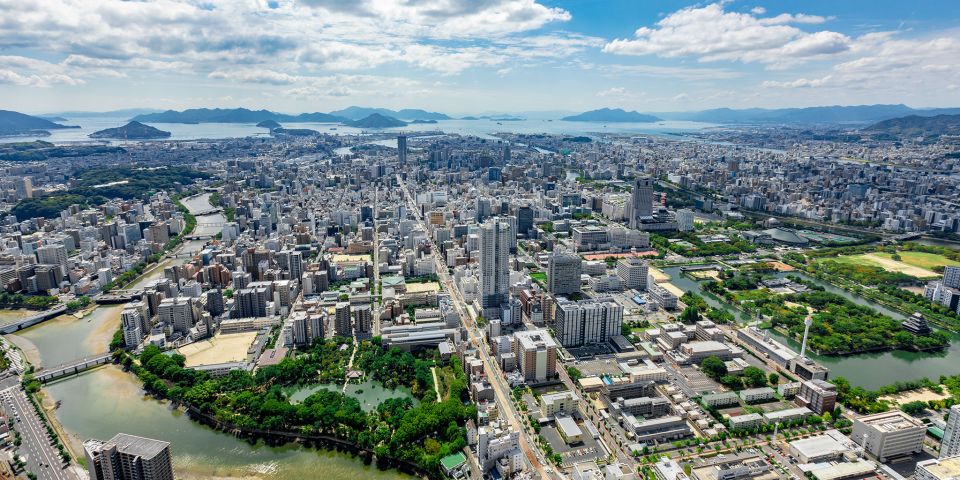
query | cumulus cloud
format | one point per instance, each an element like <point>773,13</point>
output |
<point>711,33</point>
<point>225,38</point>
<point>615,92</point>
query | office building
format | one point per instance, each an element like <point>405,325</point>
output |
<point>888,435</point>
<point>558,403</point>
<point>685,220</point>
<point>633,272</point>
<point>494,267</point>
<point>641,201</point>
<point>536,353</point>
<point>817,395</point>
<point>587,322</point>
<point>128,457</point>
<point>563,274</point>
<point>950,446</point>
<point>402,149</point>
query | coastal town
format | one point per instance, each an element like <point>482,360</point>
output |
<point>607,306</point>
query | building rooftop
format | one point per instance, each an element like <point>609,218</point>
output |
<point>944,468</point>
<point>891,421</point>
<point>140,446</point>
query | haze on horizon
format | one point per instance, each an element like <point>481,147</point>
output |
<point>476,56</point>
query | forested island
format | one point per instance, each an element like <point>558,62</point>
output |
<point>131,131</point>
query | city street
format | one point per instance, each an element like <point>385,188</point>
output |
<point>37,449</point>
<point>500,388</point>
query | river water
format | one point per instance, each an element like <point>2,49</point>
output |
<point>105,401</point>
<point>869,370</point>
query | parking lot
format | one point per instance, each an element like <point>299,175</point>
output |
<point>588,450</point>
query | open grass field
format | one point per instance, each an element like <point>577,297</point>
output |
<point>922,259</point>
<point>884,261</point>
<point>219,349</point>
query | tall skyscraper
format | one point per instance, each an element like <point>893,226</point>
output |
<point>950,446</point>
<point>128,457</point>
<point>402,149</point>
<point>524,220</point>
<point>494,266</point>
<point>563,273</point>
<point>341,321</point>
<point>641,200</point>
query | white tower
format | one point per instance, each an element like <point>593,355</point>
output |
<point>806,331</point>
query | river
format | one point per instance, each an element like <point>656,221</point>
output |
<point>105,401</point>
<point>868,370</point>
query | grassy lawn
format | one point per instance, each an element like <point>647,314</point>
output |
<point>922,259</point>
<point>855,260</point>
<point>539,276</point>
<point>916,264</point>
<point>445,376</point>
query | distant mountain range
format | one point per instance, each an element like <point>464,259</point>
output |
<point>611,115</point>
<point>915,125</point>
<point>376,120</point>
<point>408,114</point>
<point>131,131</point>
<point>811,115</point>
<point>16,123</point>
<point>234,115</point>
<point>125,113</point>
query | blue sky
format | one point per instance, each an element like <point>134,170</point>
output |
<point>476,56</point>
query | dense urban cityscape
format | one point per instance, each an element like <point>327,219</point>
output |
<point>684,273</point>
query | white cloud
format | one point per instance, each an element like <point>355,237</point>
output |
<point>615,92</point>
<point>799,83</point>
<point>712,34</point>
<point>10,77</point>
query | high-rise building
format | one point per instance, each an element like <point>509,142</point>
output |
<point>128,457</point>
<point>587,322</point>
<point>55,254</point>
<point>341,320</point>
<point>950,446</point>
<point>536,353</point>
<point>134,327</point>
<point>484,209</point>
<point>524,220</point>
<point>251,302</point>
<point>563,273</point>
<point>177,312</point>
<point>685,220</point>
<point>641,200</point>
<point>363,316</point>
<point>951,276</point>
<point>494,266</point>
<point>633,272</point>
<point>402,149</point>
